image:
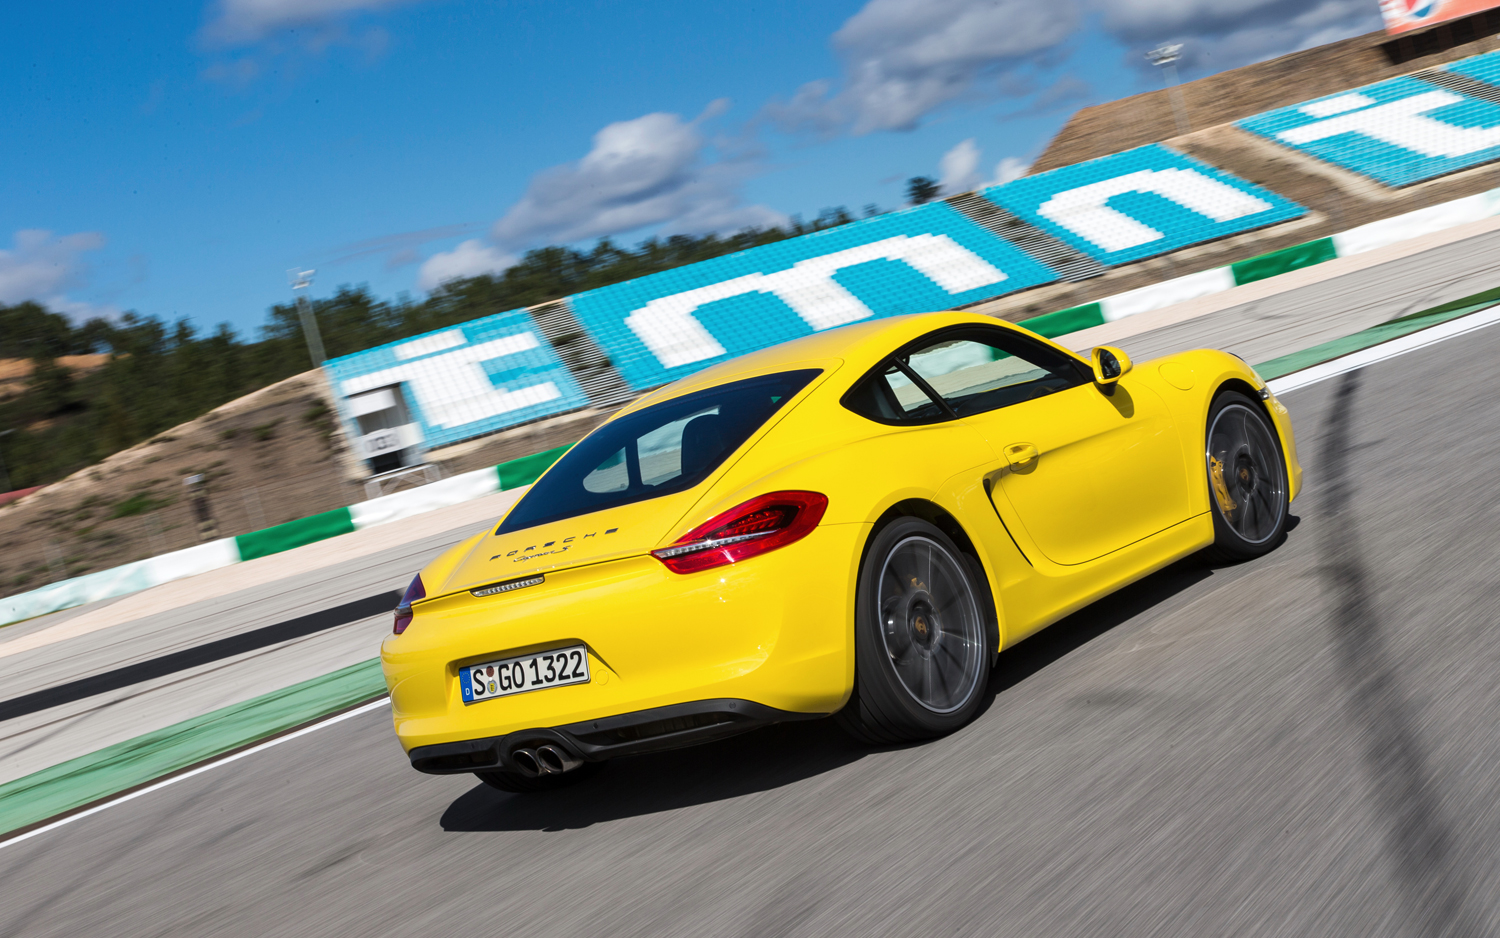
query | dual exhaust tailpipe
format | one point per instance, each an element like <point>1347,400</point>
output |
<point>544,760</point>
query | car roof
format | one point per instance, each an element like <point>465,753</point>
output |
<point>860,345</point>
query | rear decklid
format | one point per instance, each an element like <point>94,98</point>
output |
<point>621,531</point>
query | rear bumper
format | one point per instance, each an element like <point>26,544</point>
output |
<point>776,630</point>
<point>653,730</point>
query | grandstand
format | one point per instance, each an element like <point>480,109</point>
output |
<point>1305,150</point>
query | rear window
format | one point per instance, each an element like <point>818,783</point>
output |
<point>668,447</point>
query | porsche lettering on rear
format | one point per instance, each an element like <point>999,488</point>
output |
<point>528,553</point>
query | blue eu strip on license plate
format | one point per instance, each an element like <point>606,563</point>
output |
<point>553,668</point>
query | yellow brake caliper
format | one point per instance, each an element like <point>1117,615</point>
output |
<point>1221,491</point>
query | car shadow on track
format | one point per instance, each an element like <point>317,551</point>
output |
<point>781,755</point>
<point>1025,658</point>
<point>647,784</point>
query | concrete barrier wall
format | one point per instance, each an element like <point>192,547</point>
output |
<point>133,577</point>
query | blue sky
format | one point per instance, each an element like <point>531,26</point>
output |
<point>175,158</point>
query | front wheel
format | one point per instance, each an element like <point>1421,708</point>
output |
<point>1247,484</point>
<point>921,638</point>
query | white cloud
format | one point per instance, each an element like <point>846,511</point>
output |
<point>645,172</point>
<point>79,311</point>
<point>399,248</point>
<point>470,259</point>
<point>650,172</point>
<point>959,168</point>
<point>42,267</point>
<point>1009,170</point>
<point>905,58</point>
<point>245,21</point>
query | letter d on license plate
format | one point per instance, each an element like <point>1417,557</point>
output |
<point>529,672</point>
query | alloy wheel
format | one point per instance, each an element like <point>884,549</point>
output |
<point>931,624</point>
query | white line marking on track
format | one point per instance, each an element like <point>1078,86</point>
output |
<point>1377,353</point>
<point>366,708</point>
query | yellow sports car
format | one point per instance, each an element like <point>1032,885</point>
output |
<point>853,523</point>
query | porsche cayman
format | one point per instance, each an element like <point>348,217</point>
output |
<point>853,523</point>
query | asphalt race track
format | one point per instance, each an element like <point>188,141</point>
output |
<point>1302,745</point>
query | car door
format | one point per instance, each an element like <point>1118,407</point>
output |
<point>1082,470</point>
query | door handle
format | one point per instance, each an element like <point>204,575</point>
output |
<point>1022,456</point>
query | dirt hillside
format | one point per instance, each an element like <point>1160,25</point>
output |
<point>1229,96</point>
<point>269,457</point>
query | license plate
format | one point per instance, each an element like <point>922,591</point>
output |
<point>529,672</point>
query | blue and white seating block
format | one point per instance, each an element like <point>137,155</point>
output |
<point>1485,68</point>
<point>664,326</point>
<point>1140,203</point>
<point>1398,131</point>
<point>463,381</point>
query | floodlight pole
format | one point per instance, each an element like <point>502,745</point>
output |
<point>301,280</point>
<point>1165,57</point>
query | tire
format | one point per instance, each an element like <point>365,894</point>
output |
<point>516,782</point>
<point>920,667</point>
<point>1247,479</point>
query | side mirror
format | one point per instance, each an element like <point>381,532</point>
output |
<point>1110,364</point>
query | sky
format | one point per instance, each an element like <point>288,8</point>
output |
<point>176,157</point>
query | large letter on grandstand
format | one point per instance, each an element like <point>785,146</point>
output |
<point>1398,131</point>
<point>463,381</point>
<point>1132,205</point>
<point>670,324</point>
<point>1085,210</point>
<point>668,328</point>
<point>1402,123</point>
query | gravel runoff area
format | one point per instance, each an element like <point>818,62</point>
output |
<point>1299,745</point>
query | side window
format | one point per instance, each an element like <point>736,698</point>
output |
<point>980,370</point>
<point>889,396</point>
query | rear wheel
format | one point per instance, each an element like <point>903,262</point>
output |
<point>921,639</point>
<point>1247,485</point>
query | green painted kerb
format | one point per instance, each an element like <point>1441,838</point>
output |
<point>135,762</point>
<point>528,469</point>
<point>1385,332</point>
<point>294,534</point>
<point>1283,261</point>
<point>1065,321</point>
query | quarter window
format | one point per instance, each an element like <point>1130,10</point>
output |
<point>891,396</point>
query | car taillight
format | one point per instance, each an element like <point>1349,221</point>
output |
<point>759,525</point>
<point>413,593</point>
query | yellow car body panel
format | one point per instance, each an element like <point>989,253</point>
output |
<point>778,628</point>
<point>654,638</point>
